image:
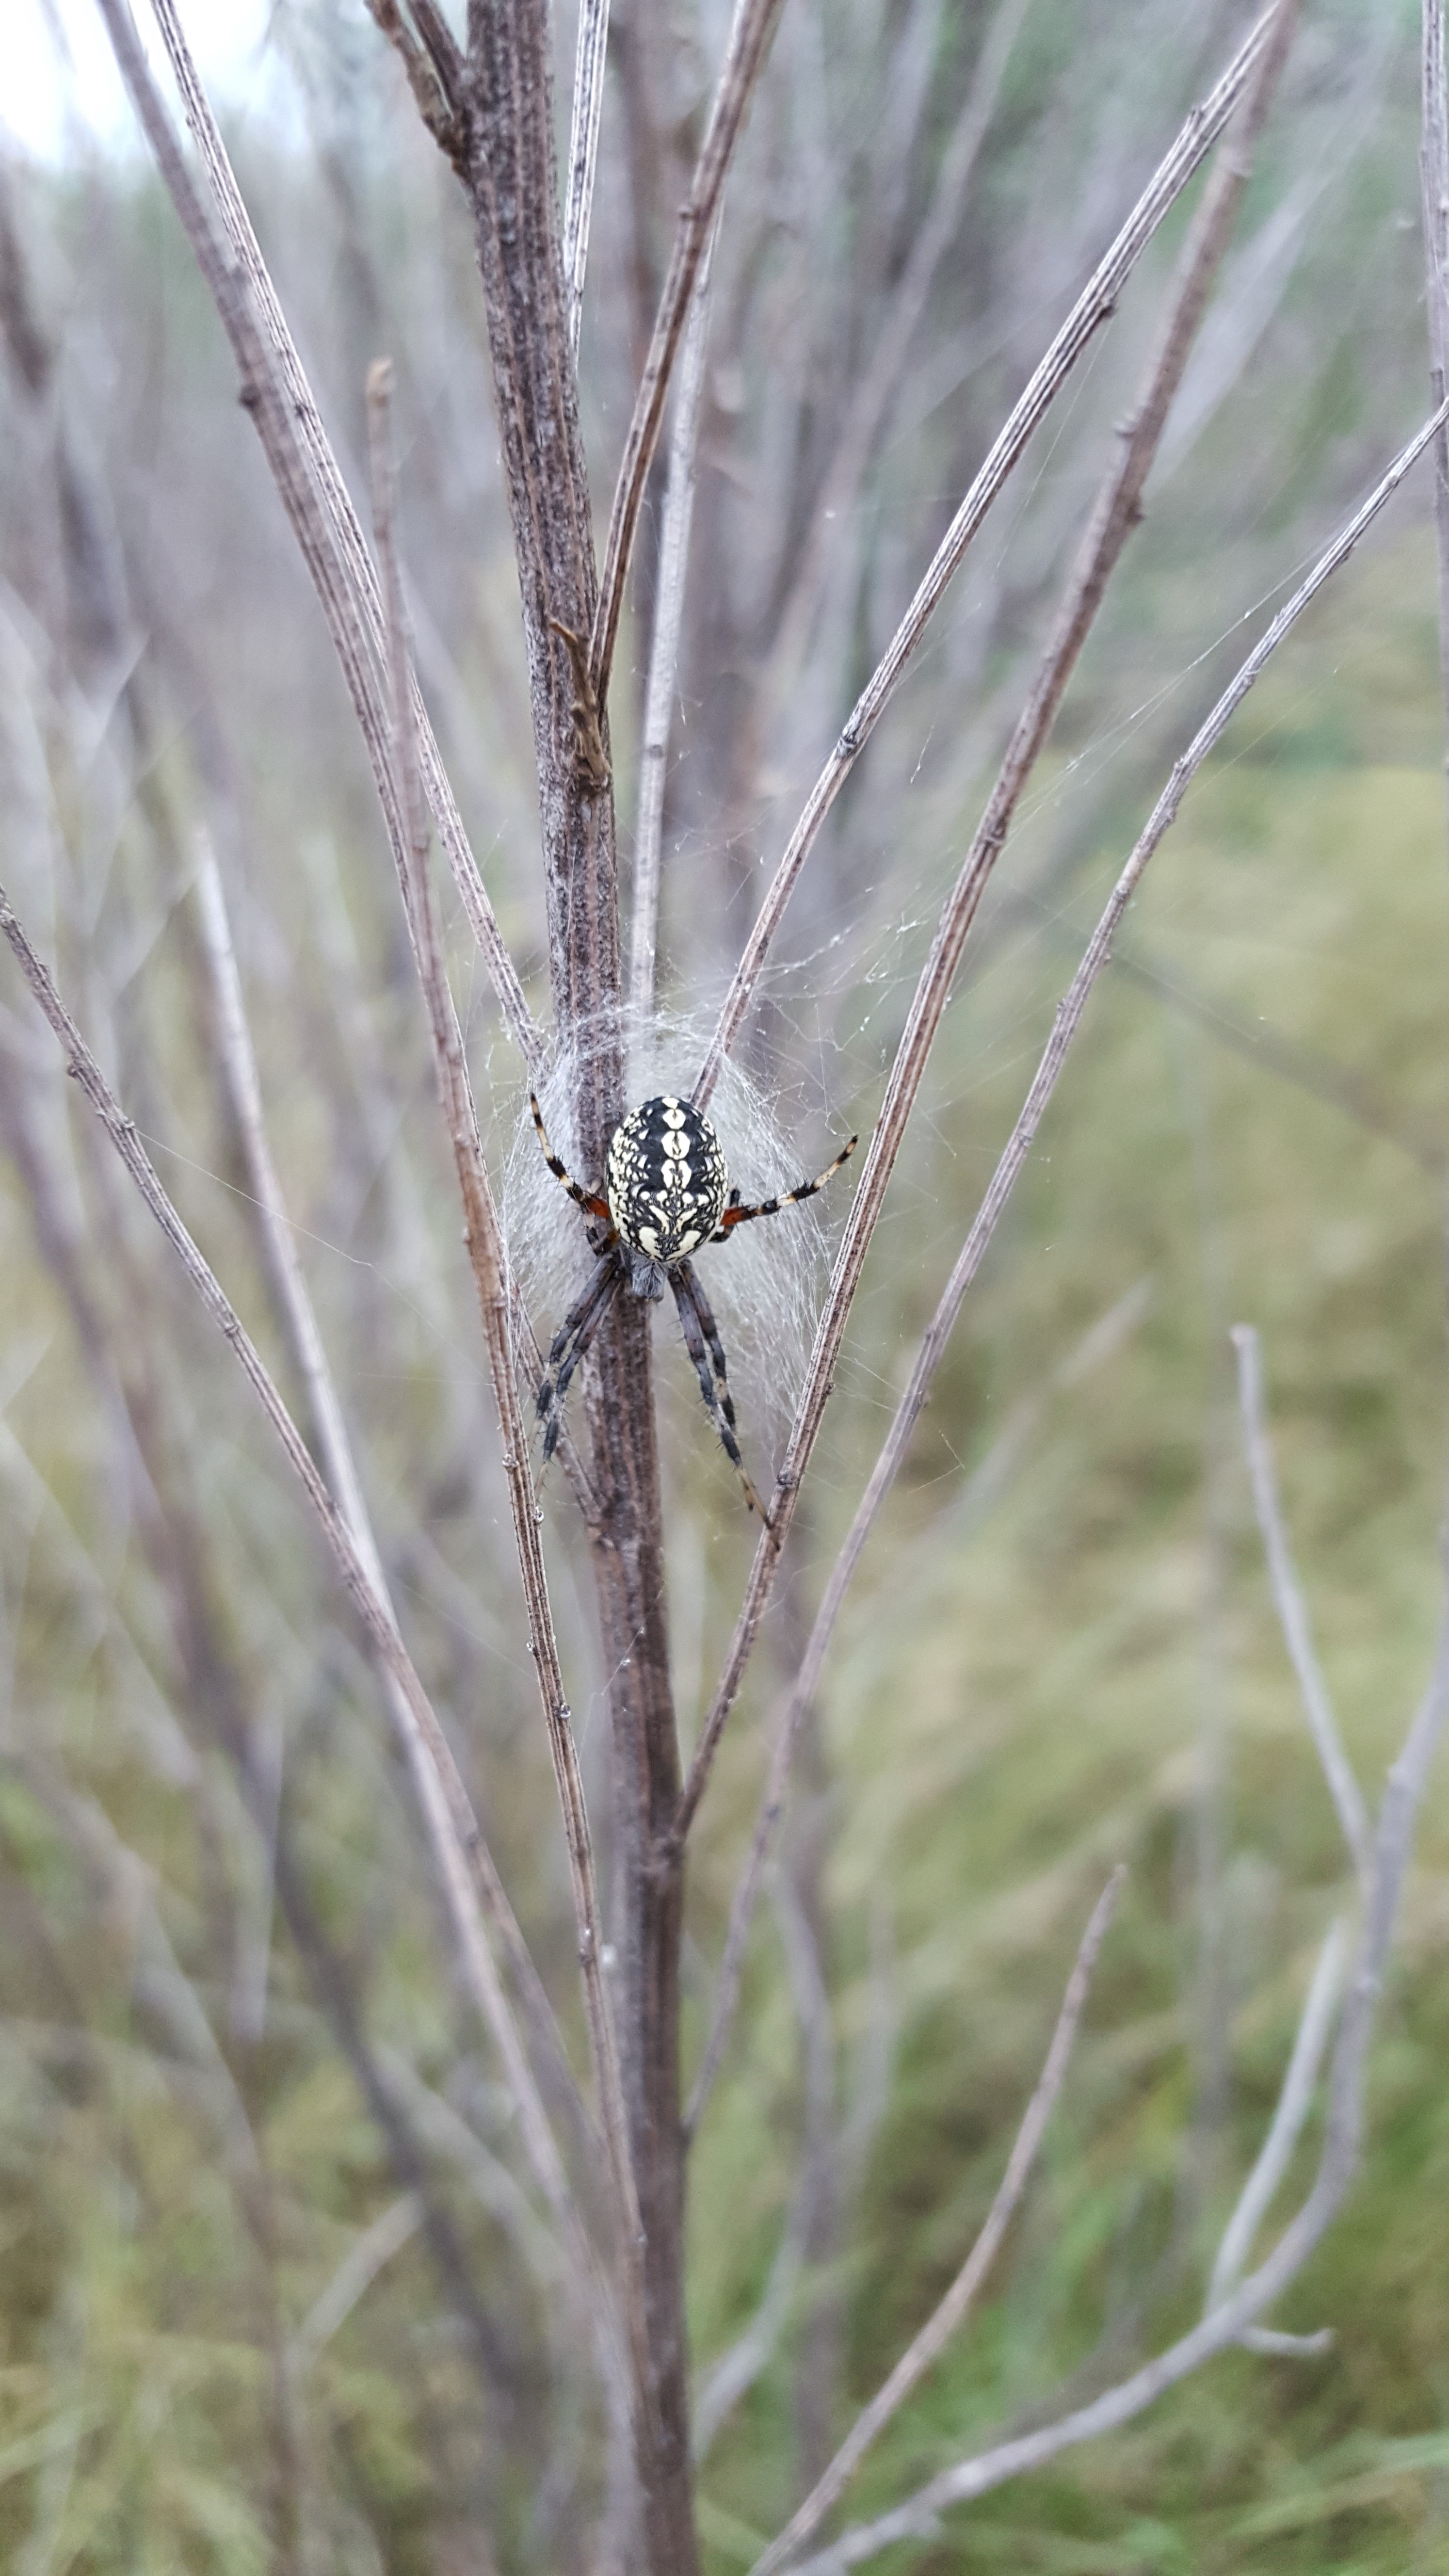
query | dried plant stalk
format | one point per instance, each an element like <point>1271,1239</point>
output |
<point>1093,307</point>
<point>1118,510</point>
<point>1014,1155</point>
<point>284,412</point>
<point>483,1237</point>
<point>466,1871</point>
<point>660,687</point>
<point>749,42</point>
<point>917,2516</point>
<point>954,2307</point>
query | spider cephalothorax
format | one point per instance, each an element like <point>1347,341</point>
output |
<point>667,1191</point>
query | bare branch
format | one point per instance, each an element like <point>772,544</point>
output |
<point>952,2310</point>
<point>664,646</point>
<point>371,2249</point>
<point>1294,2103</point>
<point>434,68</point>
<point>1093,307</point>
<point>1291,1607</point>
<point>276,392</point>
<point>984,1482</point>
<point>239,1072</point>
<point>1023,1135</point>
<point>749,41</point>
<point>1118,509</point>
<point>583,153</point>
<point>1434,181</point>
<point>466,1871</point>
<point>484,1240</point>
<point>734,2374</point>
<point>870,404</point>
<point>917,2517</point>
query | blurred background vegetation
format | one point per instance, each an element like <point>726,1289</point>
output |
<point>246,2323</point>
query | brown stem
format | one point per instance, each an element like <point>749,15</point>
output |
<point>483,1236</point>
<point>514,193</point>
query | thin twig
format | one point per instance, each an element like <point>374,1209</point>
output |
<point>1023,1135</point>
<point>435,72</point>
<point>870,403</point>
<point>917,2517</point>
<point>583,154</point>
<point>467,1874</point>
<point>785,1736</point>
<point>275,390</point>
<point>299,1319</point>
<point>370,2251</point>
<point>1295,2100</point>
<point>749,39</point>
<point>484,1239</point>
<point>660,687</point>
<point>1434,183</point>
<point>1291,1607</point>
<point>735,2373</point>
<point>243,1089</point>
<point>1118,509</point>
<point>1093,307</point>
<point>951,2311</point>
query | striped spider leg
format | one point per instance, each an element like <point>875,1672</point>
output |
<point>736,1215</point>
<point>702,1341</point>
<point>571,1344</point>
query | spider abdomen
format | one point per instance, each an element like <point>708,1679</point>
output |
<point>666,1184</point>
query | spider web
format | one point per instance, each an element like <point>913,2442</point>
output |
<point>764,1285</point>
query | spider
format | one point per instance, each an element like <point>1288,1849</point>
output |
<point>666,1192</point>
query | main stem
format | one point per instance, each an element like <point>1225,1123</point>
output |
<point>514,193</point>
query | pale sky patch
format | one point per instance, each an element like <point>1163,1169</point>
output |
<point>59,87</point>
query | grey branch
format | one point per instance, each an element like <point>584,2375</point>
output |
<point>917,2517</point>
<point>1315,2028</point>
<point>284,412</point>
<point>299,1319</point>
<point>955,2306</point>
<point>1116,512</point>
<point>749,41</point>
<point>1434,181</point>
<point>664,644</point>
<point>583,154</point>
<point>1093,307</point>
<point>1292,1609</point>
<point>467,1875</point>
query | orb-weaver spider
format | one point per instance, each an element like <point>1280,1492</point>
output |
<point>666,1192</point>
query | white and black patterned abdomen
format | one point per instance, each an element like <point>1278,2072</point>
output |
<point>666,1181</point>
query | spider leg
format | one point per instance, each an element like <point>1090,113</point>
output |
<point>702,1341</point>
<point>592,1206</point>
<point>570,1345</point>
<point>736,1215</point>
